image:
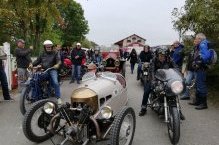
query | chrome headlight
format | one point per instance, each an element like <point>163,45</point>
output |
<point>177,87</point>
<point>49,107</point>
<point>117,63</point>
<point>106,112</point>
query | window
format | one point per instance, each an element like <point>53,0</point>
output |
<point>139,41</point>
<point>134,38</point>
<point>128,41</point>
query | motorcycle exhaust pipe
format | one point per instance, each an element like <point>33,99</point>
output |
<point>165,109</point>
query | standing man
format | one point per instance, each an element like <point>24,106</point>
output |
<point>3,79</point>
<point>23,61</point>
<point>77,55</point>
<point>177,54</point>
<point>201,57</point>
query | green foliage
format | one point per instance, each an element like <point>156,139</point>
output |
<point>37,20</point>
<point>76,27</point>
<point>198,16</point>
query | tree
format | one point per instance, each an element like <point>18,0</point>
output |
<point>198,16</point>
<point>76,26</point>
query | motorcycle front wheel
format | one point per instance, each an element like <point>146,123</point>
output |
<point>25,99</point>
<point>173,125</point>
<point>36,122</point>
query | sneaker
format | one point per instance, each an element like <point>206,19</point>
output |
<point>185,98</point>
<point>59,101</point>
<point>201,107</point>
<point>78,82</point>
<point>142,112</point>
<point>72,81</point>
<point>9,100</point>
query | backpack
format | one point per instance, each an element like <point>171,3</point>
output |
<point>213,55</point>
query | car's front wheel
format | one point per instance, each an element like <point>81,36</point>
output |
<point>123,128</point>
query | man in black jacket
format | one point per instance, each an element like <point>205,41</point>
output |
<point>50,58</point>
<point>145,56</point>
<point>23,61</point>
<point>162,61</point>
<point>77,54</point>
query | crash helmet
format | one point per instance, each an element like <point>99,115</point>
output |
<point>47,42</point>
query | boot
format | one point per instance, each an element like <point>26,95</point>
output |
<point>203,104</point>
<point>143,112</point>
<point>182,117</point>
<point>197,101</point>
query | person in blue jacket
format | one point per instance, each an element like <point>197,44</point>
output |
<point>200,60</point>
<point>177,55</point>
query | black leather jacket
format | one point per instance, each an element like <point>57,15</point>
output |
<point>156,64</point>
<point>48,60</point>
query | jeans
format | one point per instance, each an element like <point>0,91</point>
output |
<point>139,69</point>
<point>76,72</point>
<point>147,90</point>
<point>189,77</point>
<point>73,72</point>
<point>54,82</point>
<point>201,87</point>
<point>4,83</point>
<point>132,67</point>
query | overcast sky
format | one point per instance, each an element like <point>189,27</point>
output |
<point>112,20</point>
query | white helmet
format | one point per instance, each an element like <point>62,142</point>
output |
<point>47,42</point>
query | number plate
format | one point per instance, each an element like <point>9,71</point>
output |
<point>145,73</point>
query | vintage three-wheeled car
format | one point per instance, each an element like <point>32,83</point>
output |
<point>113,62</point>
<point>97,112</point>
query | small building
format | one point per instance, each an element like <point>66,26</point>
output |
<point>130,42</point>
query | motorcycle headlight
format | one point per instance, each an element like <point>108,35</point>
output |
<point>117,63</point>
<point>106,112</point>
<point>49,107</point>
<point>177,87</point>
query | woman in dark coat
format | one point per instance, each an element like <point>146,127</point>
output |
<point>133,59</point>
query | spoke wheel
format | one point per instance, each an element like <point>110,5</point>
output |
<point>123,128</point>
<point>25,99</point>
<point>173,125</point>
<point>36,122</point>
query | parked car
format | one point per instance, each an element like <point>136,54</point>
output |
<point>97,112</point>
<point>113,62</point>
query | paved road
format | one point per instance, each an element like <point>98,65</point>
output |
<point>199,128</point>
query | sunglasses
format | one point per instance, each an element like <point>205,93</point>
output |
<point>49,47</point>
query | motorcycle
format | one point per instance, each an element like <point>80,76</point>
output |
<point>65,68</point>
<point>164,100</point>
<point>144,74</point>
<point>36,88</point>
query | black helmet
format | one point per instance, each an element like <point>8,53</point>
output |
<point>162,51</point>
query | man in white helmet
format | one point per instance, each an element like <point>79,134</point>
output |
<point>50,58</point>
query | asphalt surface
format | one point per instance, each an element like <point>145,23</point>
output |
<point>199,128</point>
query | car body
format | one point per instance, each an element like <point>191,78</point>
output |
<point>113,62</point>
<point>97,112</point>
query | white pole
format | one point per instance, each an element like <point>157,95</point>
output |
<point>8,63</point>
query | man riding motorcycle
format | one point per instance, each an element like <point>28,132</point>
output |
<point>50,58</point>
<point>145,56</point>
<point>161,61</point>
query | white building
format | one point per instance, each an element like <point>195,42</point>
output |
<point>130,42</point>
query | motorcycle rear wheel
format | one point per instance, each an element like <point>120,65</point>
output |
<point>173,125</point>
